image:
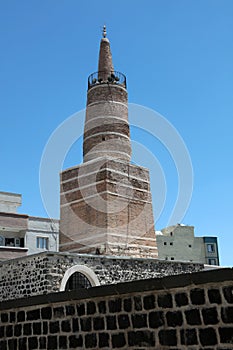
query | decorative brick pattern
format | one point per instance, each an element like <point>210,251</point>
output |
<point>99,319</point>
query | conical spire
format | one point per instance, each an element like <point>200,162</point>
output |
<point>105,67</point>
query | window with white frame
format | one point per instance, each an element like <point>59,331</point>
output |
<point>42,242</point>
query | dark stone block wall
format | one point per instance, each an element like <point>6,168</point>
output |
<point>191,311</point>
<point>43,273</point>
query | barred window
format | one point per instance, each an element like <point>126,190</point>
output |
<point>76,281</point>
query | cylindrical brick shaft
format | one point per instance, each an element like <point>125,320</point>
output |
<point>106,131</point>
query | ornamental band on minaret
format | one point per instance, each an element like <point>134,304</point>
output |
<point>106,205</point>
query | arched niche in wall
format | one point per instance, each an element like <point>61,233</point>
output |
<point>79,276</point>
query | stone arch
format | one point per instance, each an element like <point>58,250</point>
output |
<point>86,271</point>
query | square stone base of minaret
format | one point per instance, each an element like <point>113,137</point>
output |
<point>106,208</point>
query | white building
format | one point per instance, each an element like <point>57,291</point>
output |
<point>21,234</point>
<point>179,243</point>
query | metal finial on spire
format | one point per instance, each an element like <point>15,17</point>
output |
<point>104,31</point>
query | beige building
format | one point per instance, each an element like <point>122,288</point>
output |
<point>179,243</point>
<point>21,234</point>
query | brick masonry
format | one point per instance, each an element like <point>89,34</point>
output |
<point>106,130</point>
<point>192,311</point>
<point>106,204</point>
<point>43,273</point>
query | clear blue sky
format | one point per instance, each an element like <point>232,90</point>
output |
<point>178,58</point>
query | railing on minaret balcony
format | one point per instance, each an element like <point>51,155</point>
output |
<point>113,77</point>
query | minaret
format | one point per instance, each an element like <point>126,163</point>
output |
<point>107,111</point>
<point>106,205</point>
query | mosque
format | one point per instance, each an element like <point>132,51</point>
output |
<point>102,277</point>
<point>106,232</point>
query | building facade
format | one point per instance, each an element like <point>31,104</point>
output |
<point>21,234</point>
<point>179,243</point>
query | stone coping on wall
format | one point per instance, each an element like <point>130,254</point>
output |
<point>107,257</point>
<point>165,283</point>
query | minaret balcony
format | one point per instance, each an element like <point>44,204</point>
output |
<point>103,77</point>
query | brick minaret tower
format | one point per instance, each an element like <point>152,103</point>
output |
<point>106,203</point>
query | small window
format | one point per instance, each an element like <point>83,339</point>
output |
<point>190,245</point>
<point>165,243</point>
<point>171,243</point>
<point>210,248</point>
<point>172,258</point>
<point>42,242</point>
<point>212,261</point>
<point>171,233</point>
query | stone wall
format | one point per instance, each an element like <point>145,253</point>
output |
<point>191,311</point>
<point>43,273</point>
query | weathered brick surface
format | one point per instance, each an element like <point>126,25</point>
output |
<point>106,131</point>
<point>107,205</point>
<point>109,127</point>
<point>135,315</point>
<point>107,92</point>
<point>118,110</point>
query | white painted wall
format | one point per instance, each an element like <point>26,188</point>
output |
<point>181,244</point>
<point>45,228</point>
